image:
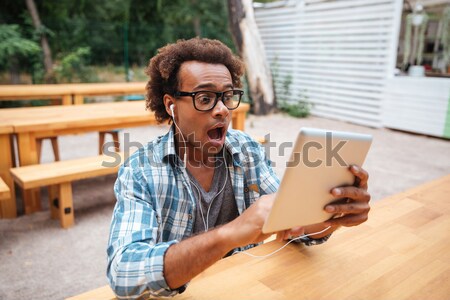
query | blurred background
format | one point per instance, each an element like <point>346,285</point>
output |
<point>96,41</point>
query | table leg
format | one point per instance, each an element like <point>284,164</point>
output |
<point>78,99</point>
<point>67,100</point>
<point>28,156</point>
<point>238,120</point>
<point>8,207</point>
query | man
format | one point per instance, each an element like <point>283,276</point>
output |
<point>202,191</point>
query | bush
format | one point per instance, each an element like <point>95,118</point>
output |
<point>300,109</point>
<point>73,67</point>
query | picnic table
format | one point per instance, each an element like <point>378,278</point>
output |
<point>401,252</point>
<point>31,123</point>
<point>70,93</point>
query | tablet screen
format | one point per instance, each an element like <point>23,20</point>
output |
<point>319,162</point>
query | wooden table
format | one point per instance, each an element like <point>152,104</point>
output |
<point>31,123</point>
<point>402,252</point>
<point>69,91</point>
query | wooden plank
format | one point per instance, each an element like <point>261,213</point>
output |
<point>8,207</point>
<point>368,120</point>
<point>66,214</point>
<point>329,32</point>
<point>28,156</point>
<point>74,118</point>
<point>324,89</point>
<point>343,112</point>
<point>66,171</point>
<point>345,77</point>
<point>55,91</point>
<point>336,5</point>
<point>372,91</point>
<point>103,293</point>
<point>5,193</point>
<point>330,16</point>
<point>381,259</point>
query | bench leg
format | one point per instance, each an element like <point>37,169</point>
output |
<point>53,196</point>
<point>66,216</point>
<point>101,140</point>
<point>55,147</point>
<point>28,156</point>
<point>115,137</point>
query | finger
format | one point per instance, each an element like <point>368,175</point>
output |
<point>293,233</point>
<point>348,220</point>
<point>351,192</point>
<point>280,236</point>
<point>296,231</point>
<point>361,176</point>
<point>348,208</point>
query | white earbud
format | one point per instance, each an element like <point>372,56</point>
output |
<point>171,107</point>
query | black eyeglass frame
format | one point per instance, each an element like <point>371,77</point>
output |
<point>220,95</point>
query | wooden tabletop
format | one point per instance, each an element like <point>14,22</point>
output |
<point>46,118</point>
<point>33,119</point>
<point>402,252</point>
<point>35,91</point>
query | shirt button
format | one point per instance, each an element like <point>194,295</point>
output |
<point>190,216</point>
<point>246,189</point>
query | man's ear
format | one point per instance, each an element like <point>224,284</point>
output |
<point>168,100</point>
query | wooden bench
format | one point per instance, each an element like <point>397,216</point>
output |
<point>59,175</point>
<point>5,193</point>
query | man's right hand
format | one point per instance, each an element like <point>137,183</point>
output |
<point>247,228</point>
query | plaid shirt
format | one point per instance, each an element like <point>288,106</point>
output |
<point>156,208</point>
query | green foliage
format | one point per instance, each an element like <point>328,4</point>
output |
<point>13,46</point>
<point>107,27</point>
<point>73,67</point>
<point>300,108</point>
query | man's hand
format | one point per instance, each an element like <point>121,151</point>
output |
<point>247,228</point>
<point>351,212</point>
<point>355,210</point>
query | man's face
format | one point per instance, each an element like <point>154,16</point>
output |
<point>205,129</point>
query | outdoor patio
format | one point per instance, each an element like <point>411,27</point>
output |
<point>40,260</point>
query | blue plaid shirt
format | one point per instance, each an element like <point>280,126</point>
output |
<point>156,208</point>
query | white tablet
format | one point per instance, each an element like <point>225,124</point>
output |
<point>319,162</point>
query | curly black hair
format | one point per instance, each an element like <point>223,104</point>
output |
<point>163,68</point>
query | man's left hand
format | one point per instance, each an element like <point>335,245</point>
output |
<point>356,209</point>
<point>353,211</point>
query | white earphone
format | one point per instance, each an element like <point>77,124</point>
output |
<point>171,107</point>
<point>205,222</point>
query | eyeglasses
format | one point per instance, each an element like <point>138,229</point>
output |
<point>207,100</point>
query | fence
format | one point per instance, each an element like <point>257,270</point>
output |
<point>338,54</point>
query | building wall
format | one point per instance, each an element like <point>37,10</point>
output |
<point>336,54</point>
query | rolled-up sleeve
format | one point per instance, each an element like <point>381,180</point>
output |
<point>135,259</point>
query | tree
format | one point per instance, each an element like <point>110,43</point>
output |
<point>248,41</point>
<point>48,64</point>
<point>13,48</point>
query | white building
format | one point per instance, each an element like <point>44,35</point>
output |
<point>341,55</point>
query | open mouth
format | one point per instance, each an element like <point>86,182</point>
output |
<point>216,133</point>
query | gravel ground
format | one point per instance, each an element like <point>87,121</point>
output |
<point>39,260</point>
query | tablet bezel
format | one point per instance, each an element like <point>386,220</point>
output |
<point>305,190</point>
